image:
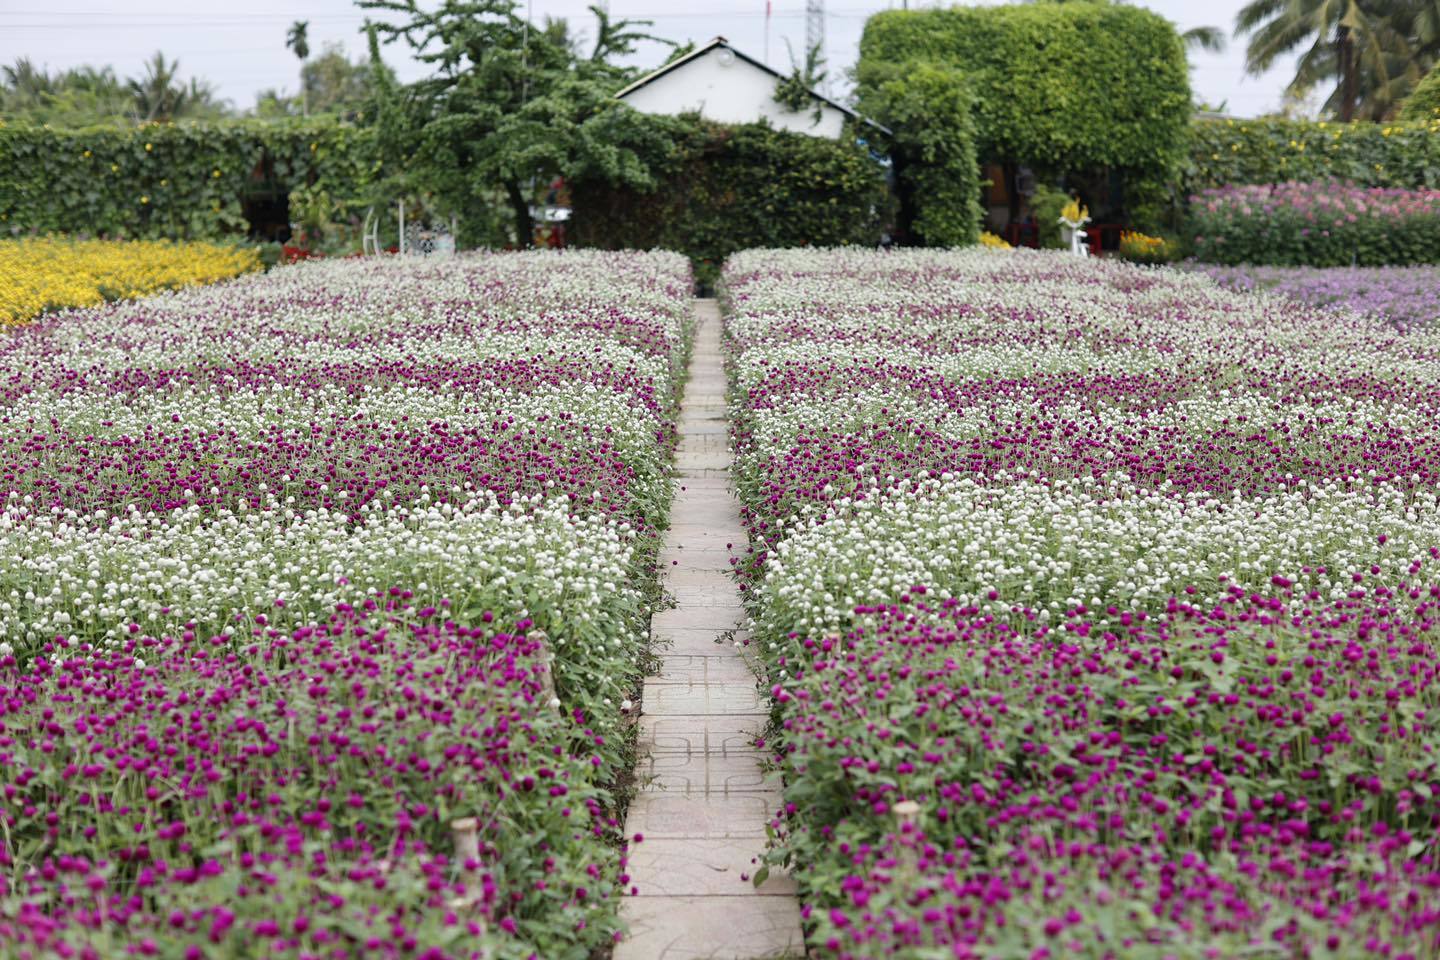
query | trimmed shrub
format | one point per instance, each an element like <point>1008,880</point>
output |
<point>937,176</point>
<point>1400,155</point>
<point>1424,101</point>
<point>1035,72</point>
<point>1317,225</point>
<point>718,189</point>
<point>170,181</point>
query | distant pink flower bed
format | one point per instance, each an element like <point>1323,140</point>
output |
<point>1317,225</point>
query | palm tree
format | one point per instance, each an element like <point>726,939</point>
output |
<point>1211,39</point>
<point>1373,50</point>
<point>27,80</point>
<point>156,95</point>
<point>297,39</point>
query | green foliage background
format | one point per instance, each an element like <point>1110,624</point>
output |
<point>1276,151</point>
<point>1057,86</point>
<point>714,189</point>
<point>1424,101</point>
<point>937,175</point>
<point>157,181</point>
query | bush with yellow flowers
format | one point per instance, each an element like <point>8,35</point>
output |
<point>1399,155</point>
<point>988,239</point>
<point>51,273</point>
<point>1142,248</point>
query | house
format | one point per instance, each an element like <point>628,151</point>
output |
<point>722,84</point>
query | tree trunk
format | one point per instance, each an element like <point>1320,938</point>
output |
<point>1011,172</point>
<point>304,93</point>
<point>524,226</point>
<point>1345,50</point>
<point>906,234</point>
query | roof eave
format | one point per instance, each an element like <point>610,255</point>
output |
<point>659,72</point>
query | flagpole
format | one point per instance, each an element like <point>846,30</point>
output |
<point>767,33</point>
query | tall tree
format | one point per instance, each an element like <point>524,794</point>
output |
<point>158,95</point>
<point>297,39</point>
<point>333,84</point>
<point>1211,39</point>
<point>87,95</point>
<point>1373,51</point>
<point>507,100</point>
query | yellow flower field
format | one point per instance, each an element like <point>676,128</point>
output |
<point>49,273</point>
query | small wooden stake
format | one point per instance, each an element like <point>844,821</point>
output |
<point>466,833</point>
<point>546,669</point>
<point>908,813</point>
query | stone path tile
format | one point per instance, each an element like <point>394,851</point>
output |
<point>711,928</point>
<point>698,618</point>
<point>709,641</point>
<point>705,775</point>
<point>703,798</point>
<point>701,868</point>
<point>732,733</point>
<point>660,813</point>
<point>710,699</point>
<point>720,666</point>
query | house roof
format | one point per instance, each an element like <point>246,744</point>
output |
<point>699,52</point>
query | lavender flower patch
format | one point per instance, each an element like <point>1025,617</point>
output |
<point>320,593</point>
<point>1403,295</point>
<point>1099,605</point>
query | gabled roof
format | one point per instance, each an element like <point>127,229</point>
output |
<point>695,54</point>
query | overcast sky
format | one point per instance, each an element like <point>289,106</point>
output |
<point>240,47</point>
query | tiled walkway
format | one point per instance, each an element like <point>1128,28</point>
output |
<point>703,803</point>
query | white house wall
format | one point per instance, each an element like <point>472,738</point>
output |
<point>737,92</point>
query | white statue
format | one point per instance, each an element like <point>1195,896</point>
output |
<point>1072,219</point>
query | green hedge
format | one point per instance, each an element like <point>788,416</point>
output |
<point>1232,152</point>
<point>1424,101</point>
<point>937,176</point>
<point>1061,87</point>
<point>184,180</point>
<point>716,189</point>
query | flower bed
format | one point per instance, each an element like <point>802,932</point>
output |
<point>1098,603</point>
<point>1404,295</point>
<point>321,592</point>
<point>1316,225</point>
<point>37,275</point>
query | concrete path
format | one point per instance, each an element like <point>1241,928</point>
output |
<point>703,802</point>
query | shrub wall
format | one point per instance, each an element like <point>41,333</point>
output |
<point>928,109</point>
<point>1061,87</point>
<point>717,189</point>
<point>1392,155</point>
<point>1424,101</point>
<point>188,180</point>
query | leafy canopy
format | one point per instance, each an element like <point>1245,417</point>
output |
<point>1057,86</point>
<point>1424,102</point>
<point>509,104</point>
<point>83,96</point>
<point>1374,52</point>
<point>928,109</point>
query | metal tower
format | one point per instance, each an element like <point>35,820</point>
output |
<point>814,26</point>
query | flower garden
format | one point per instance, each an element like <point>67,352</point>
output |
<point>320,588</point>
<point>47,273</point>
<point>1098,605</point>
<point>1405,295</point>
<point>1316,224</point>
